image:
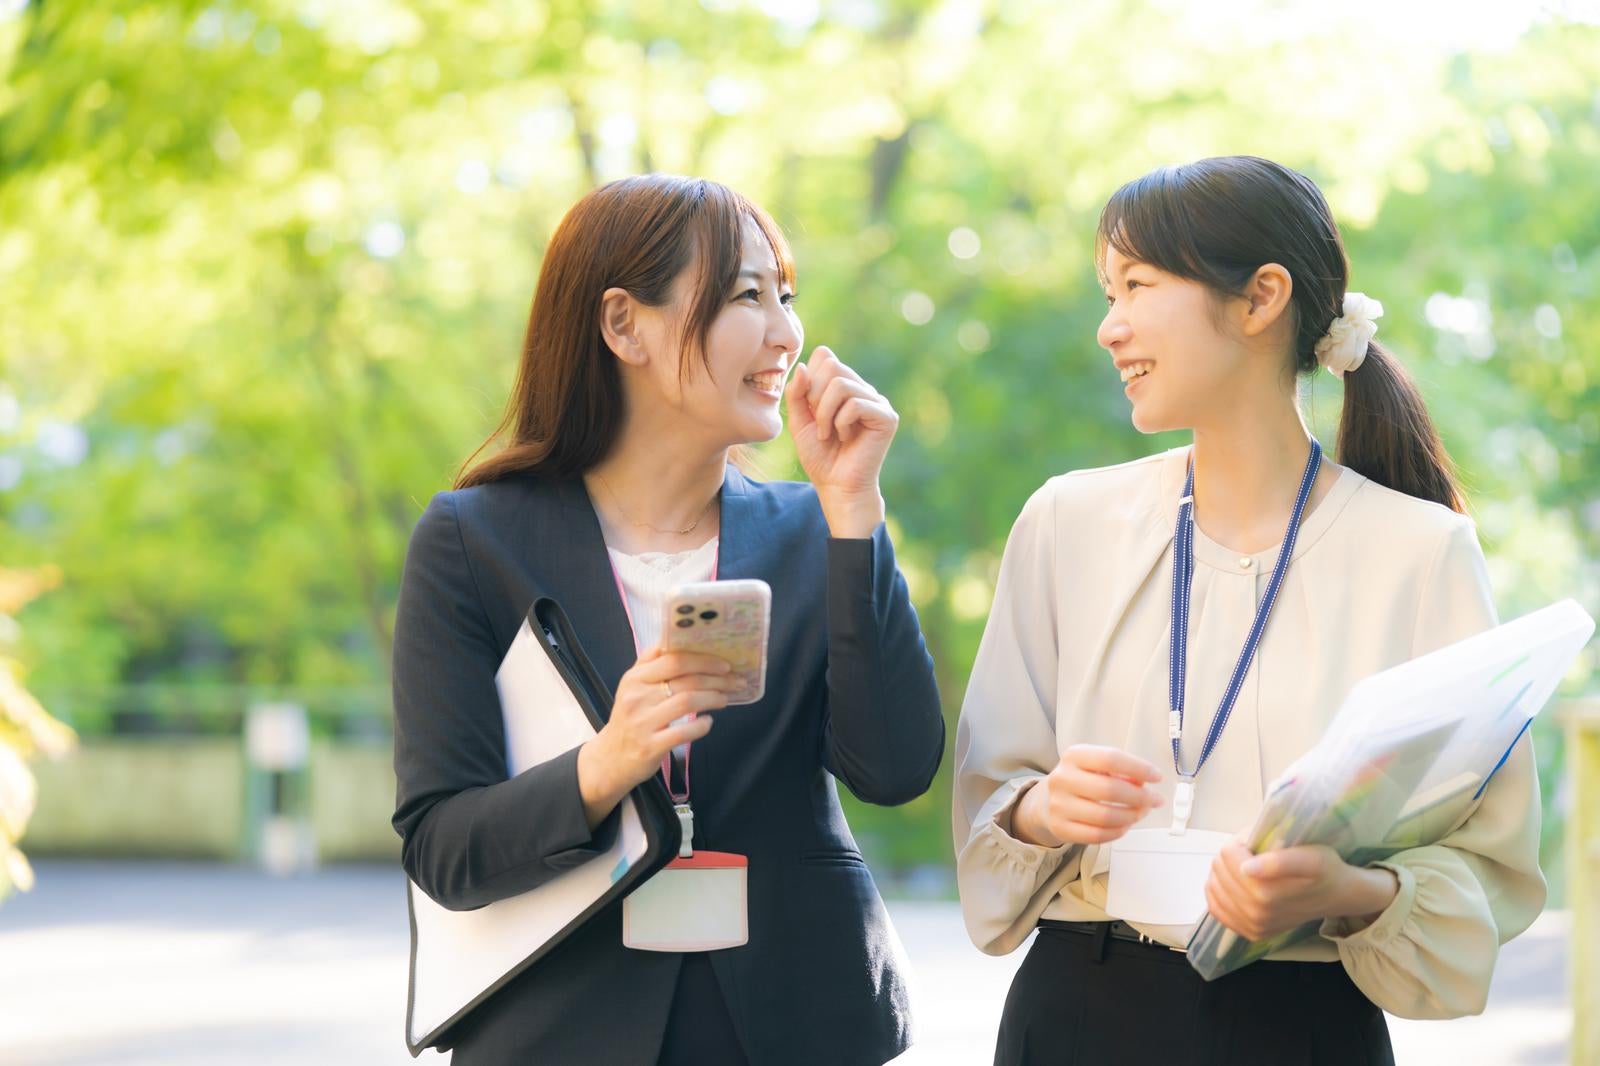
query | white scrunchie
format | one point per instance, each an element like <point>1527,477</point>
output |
<point>1344,346</point>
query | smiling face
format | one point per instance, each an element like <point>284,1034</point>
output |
<point>734,395</point>
<point>1180,360</point>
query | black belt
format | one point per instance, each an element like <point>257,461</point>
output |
<point>1116,930</point>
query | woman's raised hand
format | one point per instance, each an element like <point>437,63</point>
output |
<point>1094,795</point>
<point>653,712</point>
<point>841,428</point>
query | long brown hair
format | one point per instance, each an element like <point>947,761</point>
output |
<point>638,234</point>
<point>1217,222</point>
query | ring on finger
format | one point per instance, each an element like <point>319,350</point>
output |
<point>668,686</point>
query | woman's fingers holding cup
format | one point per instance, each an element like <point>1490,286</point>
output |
<point>1099,815</point>
<point>1115,762</point>
<point>1102,788</point>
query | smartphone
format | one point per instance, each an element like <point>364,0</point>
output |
<point>728,619</point>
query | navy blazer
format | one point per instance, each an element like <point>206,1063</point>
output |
<point>850,695</point>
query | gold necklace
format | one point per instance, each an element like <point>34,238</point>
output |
<point>646,525</point>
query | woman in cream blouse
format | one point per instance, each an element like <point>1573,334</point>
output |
<point>1225,279</point>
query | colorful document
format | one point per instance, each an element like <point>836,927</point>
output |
<point>1408,757</point>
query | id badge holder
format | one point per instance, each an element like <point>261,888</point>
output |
<point>1158,876</point>
<point>697,902</point>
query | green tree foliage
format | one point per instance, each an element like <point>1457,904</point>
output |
<point>266,266</point>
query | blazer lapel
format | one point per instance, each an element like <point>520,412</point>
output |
<point>737,541</point>
<point>581,579</point>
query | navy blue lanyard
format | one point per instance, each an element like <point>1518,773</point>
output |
<point>1182,582</point>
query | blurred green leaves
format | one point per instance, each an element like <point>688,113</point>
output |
<point>266,265</point>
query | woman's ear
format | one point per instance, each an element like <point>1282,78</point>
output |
<point>619,325</point>
<point>1268,294</point>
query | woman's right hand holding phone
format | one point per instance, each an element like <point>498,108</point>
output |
<point>653,698</point>
<point>1094,795</point>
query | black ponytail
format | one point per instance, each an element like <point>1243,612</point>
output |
<point>1385,433</point>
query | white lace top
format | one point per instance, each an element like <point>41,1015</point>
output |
<point>647,579</point>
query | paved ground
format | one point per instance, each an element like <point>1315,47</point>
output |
<point>165,964</point>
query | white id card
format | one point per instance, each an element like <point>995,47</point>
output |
<point>696,903</point>
<point>1158,877</point>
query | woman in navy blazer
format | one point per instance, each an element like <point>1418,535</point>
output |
<point>661,334</point>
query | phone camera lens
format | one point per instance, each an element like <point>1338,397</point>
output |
<point>687,608</point>
<point>685,623</point>
<point>708,615</point>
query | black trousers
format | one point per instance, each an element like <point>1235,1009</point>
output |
<point>1086,998</point>
<point>700,1031</point>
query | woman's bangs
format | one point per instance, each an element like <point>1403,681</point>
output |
<point>1146,222</point>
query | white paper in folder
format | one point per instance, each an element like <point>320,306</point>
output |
<point>460,954</point>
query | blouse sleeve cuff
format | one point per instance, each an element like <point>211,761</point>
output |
<point>999,829</point>
<point>1390,921</point>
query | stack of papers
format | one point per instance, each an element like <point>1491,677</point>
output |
<point>1407,758</point>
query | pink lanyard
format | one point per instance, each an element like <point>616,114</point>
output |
<point>683,749</point>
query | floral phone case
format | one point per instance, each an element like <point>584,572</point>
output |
<point>728,619</point>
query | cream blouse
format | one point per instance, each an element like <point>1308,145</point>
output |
<point>1075,651</point>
